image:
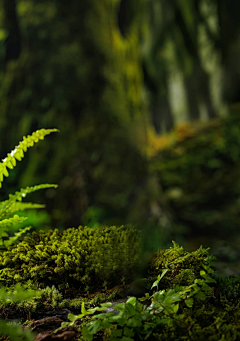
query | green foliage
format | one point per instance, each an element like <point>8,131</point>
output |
<point>16,332</point>
<point>136,320</point>
<point>95,257</point>
<point>18,152</point>
<point>192,312</point>
<point>51,298</point>
<point>14,203</point>
<point>200,177</point>
<point>39,219</point>
<point>93,216</point>
<point>8,219</point>
<point>185,266</point>
<point>222,293</point>
<point>172,304</point>
<point>35,252</point>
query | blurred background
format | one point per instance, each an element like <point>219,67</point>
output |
<point>146,95</point>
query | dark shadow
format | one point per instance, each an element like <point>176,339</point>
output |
<point>125,16</point>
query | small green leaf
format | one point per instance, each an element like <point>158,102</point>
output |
<point>9,164</point>
<point>132,301</point>
<point>73,317</point>
<point>83,310</point>
<point>104,315</point>
<point>120,306</point>
<point>130,310</point>
<point>125,338</point>
<point>206,266</point>
<point>168,300</point>
<point>117,333</point>
<point>155,284</point>
<point>5,172</point>
<point>196,288</point>
<point>175,297</point>
<point>210,280</point>
<point>170,292</point>
<point>86,334</point>
<point>128,332</point>
<point>134,322</point>
<point>159,295</point>
<point>105,323</point>
<point>189,302</point>
<point>211,271</point>
<point>205,287</point>
<point>119,319</point>
<point>176,307</point>
<point>18,156</point>
<point>105,305</point>
<point>200,295</point>
<point>94,326</point>
<point>199,281</point>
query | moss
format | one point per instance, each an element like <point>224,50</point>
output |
<point>45,252</point>
<point>78,265</point>
<point>199,173</point>
<point>184,266</point>
<point>218,315</point>
<point>83,257</point>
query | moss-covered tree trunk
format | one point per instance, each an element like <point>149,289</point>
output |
<point>80,71</point>
<point>182,66</point>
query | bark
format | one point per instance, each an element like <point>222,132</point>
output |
<point>197,84</point>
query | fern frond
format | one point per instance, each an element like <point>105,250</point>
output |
<point>12,239</point>
<point>6,223</point>
<point>17,207</point>
<point>22,206</point>
<point>17,196</point>
<point>8,206</point>
<point>18,152</point>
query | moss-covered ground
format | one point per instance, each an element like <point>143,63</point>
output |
<point>100,265</point>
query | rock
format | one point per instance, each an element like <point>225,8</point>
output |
<point>50,336</point>
<point>45,327</point>
<point>111,309</point>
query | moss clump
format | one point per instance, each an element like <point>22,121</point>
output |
<point>83,257</point>
<point>199,174</point>
<point>52,299</point>
<point>207,319</point>
<point>184,267</point>
<point>210,317</point>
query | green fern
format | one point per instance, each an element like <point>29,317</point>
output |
<point>8,219</point>
<point>18,152</point>
<point>14,204</point>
